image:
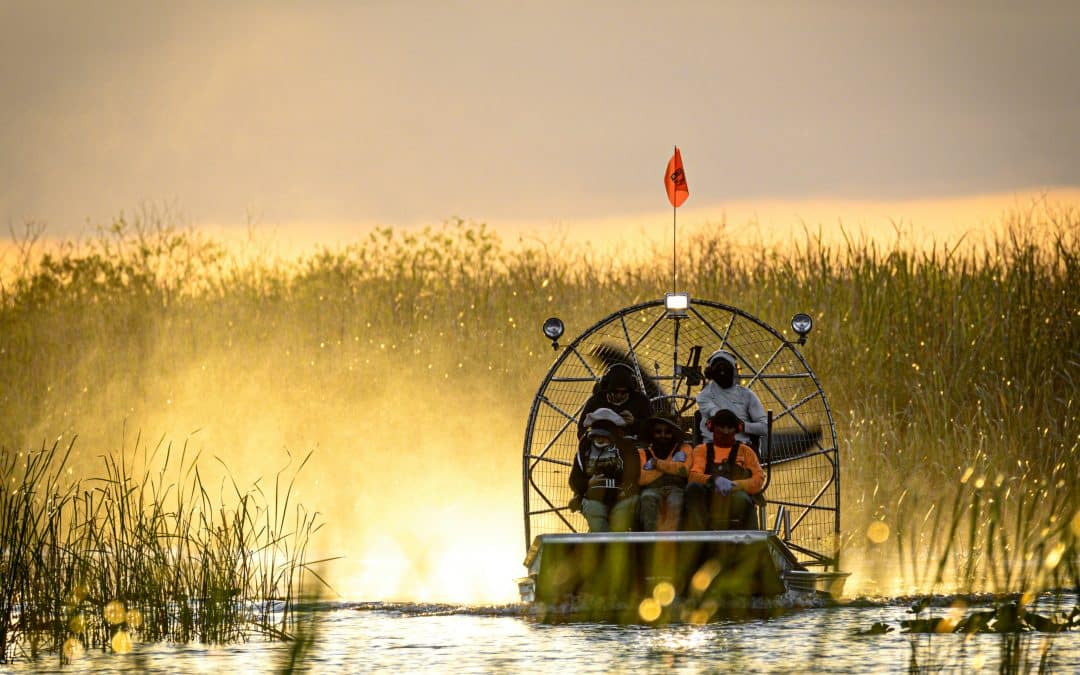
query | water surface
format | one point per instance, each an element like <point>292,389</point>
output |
<point>354,637</point>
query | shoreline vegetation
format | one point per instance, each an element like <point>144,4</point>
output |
<point>145,550</point>
<point>952,373</point>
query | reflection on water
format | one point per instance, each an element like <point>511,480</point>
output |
<point>351,637</point>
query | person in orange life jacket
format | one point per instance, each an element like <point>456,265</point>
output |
<point>724,391</point>
<point>665,464</point>
<point>618,390</point>
<point>724,477</point>
<point>604,477</point>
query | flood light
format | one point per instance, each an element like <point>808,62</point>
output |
<point>676,304</point>
<point>553,330</point>
<point>801,323</point>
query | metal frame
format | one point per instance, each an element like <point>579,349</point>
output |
<point>768,383</point>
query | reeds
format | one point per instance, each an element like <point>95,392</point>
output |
<point>1014,536</point>
<point>930,357</point>
<point>142,554</point>
<point>935,360</point>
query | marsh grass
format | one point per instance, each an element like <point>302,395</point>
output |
<point>957,359</point>
<point>145,554</point>
<point>1013,537</point>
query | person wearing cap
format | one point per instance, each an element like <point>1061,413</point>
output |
<point>725,479</point>
<point>618,390</point>
<point>724,392</point>
<point>604,477</point>
<point>665,464</point>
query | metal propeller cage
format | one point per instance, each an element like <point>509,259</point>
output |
<point>802,462</point>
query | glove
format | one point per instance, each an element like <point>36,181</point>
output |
<point>679,456</point>
<point>723,485</point>
<point>649,465</point>
<point>575,504</point>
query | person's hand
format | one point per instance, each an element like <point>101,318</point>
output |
<point>628,416</point>
<point>596,480</point>
<point>679,456</point>
<point>649,465</point>
<point>723,485</point>
<point>575,504</point>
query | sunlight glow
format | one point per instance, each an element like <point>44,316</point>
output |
<point>121,642</point>
<point>877,532</point>
<point>705,575</point>
<point>452,565</point>
<point>463,573</point>
<point>382,566</point>
<point>664,593</point>
<point>649,610</point>
<point>73,648</point>
<point>134,618</point>
<point>114,612</point>
<point>1054,556</point>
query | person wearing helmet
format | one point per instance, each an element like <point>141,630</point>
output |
<point>604,477</point>
<point>665,464</point>
<point>725,479</point>
<point>724,392</point>
<point>619,390</point>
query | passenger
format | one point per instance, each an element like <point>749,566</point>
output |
<point>605,474</point>
<point>725,479</point>
<point>724,392</point>
<point>618,390</point>
<point>665,464</point>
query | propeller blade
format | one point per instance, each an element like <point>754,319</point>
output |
<point>609,354</point>
<point>792,443</point>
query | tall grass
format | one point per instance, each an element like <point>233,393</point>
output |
<point>936,360</point>
<point>144,553</point>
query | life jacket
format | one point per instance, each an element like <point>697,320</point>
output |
<point>609,465</point>
<point>666,479</point>
<point>729,468</point>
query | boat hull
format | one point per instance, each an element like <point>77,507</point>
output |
<point>624,568</point>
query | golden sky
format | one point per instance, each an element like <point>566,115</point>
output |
<point>546,114</point>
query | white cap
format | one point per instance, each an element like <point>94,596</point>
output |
<point>605,415</point>
<point>721,354</point>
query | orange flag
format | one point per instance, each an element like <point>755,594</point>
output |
<point>675,180</point>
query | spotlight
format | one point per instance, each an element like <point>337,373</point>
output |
<point>553,330</point>
<point>801,323</point>
<point>676,304</point>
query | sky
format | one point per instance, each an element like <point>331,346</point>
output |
<point>334,116</point>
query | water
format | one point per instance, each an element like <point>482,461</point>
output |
<point>352,637</point>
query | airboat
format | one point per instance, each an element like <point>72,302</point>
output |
<point>795,549</point>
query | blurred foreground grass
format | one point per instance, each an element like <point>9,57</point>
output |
<point>951,370</point>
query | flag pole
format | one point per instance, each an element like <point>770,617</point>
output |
<point>674,211</point>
